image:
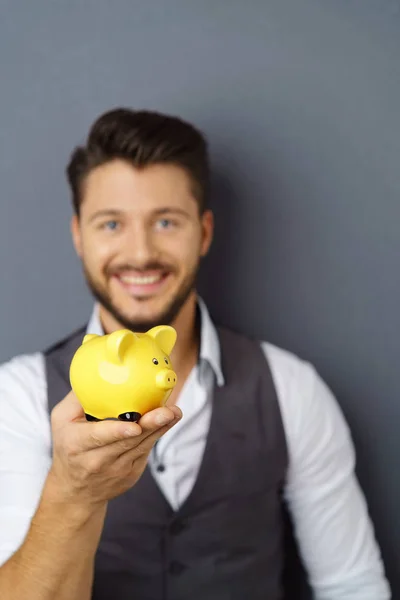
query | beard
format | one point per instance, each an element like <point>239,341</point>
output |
<point>166,316</point>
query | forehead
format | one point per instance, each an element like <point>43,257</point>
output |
<point>121,186</point>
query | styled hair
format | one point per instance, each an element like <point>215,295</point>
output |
<point>141,138</point>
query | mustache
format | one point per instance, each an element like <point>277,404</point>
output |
<point>150,266</point>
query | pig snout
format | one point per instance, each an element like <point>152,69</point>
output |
<point>166,379</point>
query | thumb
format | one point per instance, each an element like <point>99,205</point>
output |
<point>67,411</point>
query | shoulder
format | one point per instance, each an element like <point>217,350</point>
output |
<point>309,408</point>
<point>73,337</point>
<point>22,370</point>
<point>287,367</point>
<point>289,370</point>
<point>25,446</point>
<point>295,378</point>
<point>23,391</point>
<point>296,381</point>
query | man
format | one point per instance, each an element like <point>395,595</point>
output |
<point>186,507</point>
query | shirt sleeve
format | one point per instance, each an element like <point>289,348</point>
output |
<point>332,526</point>
<point>24,447</point>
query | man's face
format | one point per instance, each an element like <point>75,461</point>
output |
<point>140,238</point>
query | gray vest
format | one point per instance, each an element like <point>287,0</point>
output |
<point>226,541</point>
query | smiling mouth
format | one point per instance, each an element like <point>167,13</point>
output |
<point>140,279</point>
<point>146,284</point>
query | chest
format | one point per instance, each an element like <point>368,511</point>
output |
<point>175,461</point>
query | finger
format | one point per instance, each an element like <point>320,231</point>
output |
<point>138,446</point>
<point>88,436</point>
<point>157,422</point>
<point>159,417</point>
<point>103,433</point>
<point>153,421</point>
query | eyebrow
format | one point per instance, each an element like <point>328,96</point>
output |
<point>173,210</point>
<point>112,212</point>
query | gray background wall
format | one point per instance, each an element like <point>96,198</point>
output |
<point>300,100</point>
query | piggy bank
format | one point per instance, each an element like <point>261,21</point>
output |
<point>123,374</point>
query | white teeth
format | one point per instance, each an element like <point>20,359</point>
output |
<point>140,280</point>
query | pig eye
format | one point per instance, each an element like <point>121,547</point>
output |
<point>166,362</point>
<point>155,361</point>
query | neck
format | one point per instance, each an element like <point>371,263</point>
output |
<point>186,349</point>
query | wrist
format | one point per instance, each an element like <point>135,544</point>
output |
<point>78,510</point>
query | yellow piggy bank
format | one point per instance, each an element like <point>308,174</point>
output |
<point>123,374</point>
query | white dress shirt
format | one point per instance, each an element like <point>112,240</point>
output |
<point>334,532</point>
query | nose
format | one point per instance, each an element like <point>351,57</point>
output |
<point>166,379</point>
<point>140,246</point>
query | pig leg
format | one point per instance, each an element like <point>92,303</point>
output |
<point>129,416</point>
<point>90,418</point>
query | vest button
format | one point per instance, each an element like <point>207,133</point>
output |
<point>176,567</point>
<point>177,527</point>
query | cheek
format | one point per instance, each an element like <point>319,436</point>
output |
<point>97,254</point>
<point>185,252</point>
<point>189,245</point>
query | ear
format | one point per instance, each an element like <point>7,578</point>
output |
<point>165,336</point>
<point>88,337</point>
<point>207,225</point>
<point>117,344</point>
<point>76,234</point>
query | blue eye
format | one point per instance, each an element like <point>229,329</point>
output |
<point>111,225</point>
<point>164,223</point>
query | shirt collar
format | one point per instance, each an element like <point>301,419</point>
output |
<point>210,352</point>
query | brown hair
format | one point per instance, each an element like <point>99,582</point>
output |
<point>141,138</point>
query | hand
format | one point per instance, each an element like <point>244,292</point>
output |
<point>96,461</point>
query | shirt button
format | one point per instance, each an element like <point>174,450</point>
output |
<point>177,527</point>
<point>176,567</point>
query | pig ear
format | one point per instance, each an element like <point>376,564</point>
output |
<point>165,336</point>
<point>88,337</point>
<point>117,344</point>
